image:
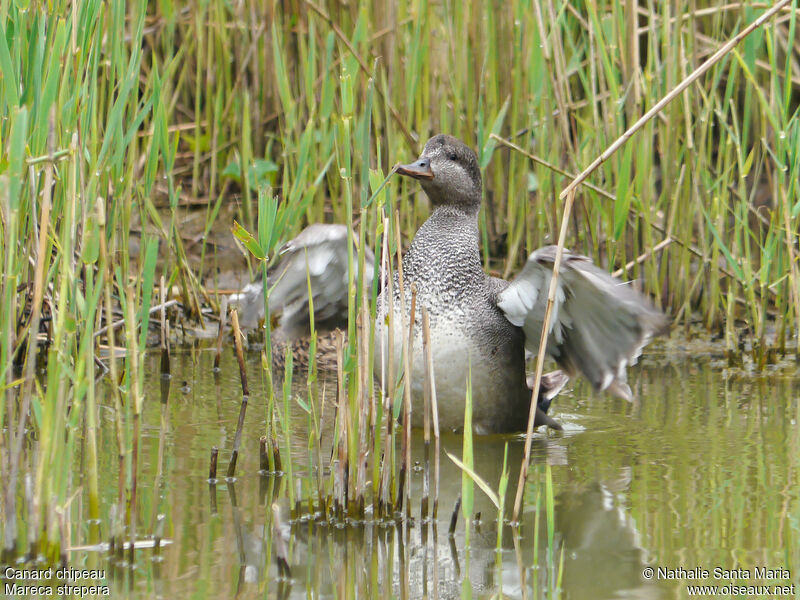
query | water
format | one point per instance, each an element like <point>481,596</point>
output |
<point>701,472</point>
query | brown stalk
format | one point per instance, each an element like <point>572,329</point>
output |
<point>212,469</point>
<point>454,517</point>
<point>263,455</point>
<point>362,409</point>
<point>551,297</point>
<point>165,366</point>
<point>342,410</point>
<point>223,314</point>
<point>237,440</point>
<point>406,366</point>
<point>237,342</point>
<point>426,352</point>
<point>431,418</point>
<point>643,257</point>
<point>435,415</point>
<point>366,421</point>
<point>121,322</point>
<point>703,12</point>
<point>387,385</point>
<point>557,68</point>
<point>138,397</point>
<point>318,446</point>
<point>408,358</point>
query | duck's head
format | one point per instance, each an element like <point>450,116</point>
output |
<point>448,172</point>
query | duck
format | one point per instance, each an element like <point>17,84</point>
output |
<point>482,327</point>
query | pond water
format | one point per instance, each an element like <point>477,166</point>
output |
<point>699,475</point>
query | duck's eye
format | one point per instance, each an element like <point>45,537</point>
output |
<point>452,156</point>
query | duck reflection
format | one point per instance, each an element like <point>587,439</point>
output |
<point>603,552</point>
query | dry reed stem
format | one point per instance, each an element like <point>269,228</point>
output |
<point>263,455</point>
<point>702,12</point>
<point>165,359</point>
<point>560,83</point>
<point>642,257</point>
<point>36,311</point>
<point>121,322</point>
<point>451,530</point>
<point>212,468</point>
<point>366,421</point>
<point>402,490</point>
<point>340,479</point>
<point>237,341</point>
<point>387,380</point>
<point>435,414</point>
<point>426,352</point>
<point>363,408</point>
<point>237,440</point>
<point>409,357</point>
<point>223,314</point>
<point>551,297</point>
<point>386,284</point>
<point>138,396</point>
<point>163,316</point>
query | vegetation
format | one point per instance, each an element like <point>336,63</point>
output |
<point>118,119</point>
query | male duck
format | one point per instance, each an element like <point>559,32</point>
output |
<point>481,326</point>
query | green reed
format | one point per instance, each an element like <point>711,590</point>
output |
<point>70,121</point>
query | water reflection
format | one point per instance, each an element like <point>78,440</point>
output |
<point>599,541</point>
<point>701,471</point>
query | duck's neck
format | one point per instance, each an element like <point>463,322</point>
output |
<point>446,247</point>
<point>455,213</point>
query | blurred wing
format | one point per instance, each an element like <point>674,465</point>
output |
<point>318,254</point>
<point>599,326</point>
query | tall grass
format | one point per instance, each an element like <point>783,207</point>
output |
<point>73,108</point>
<point>118,117</point>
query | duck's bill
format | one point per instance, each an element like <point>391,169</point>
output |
<point>418,170</point>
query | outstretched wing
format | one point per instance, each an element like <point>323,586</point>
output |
<point>599,324</point>
<point>318,254</point>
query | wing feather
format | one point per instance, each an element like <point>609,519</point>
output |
<point>599,326</point>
